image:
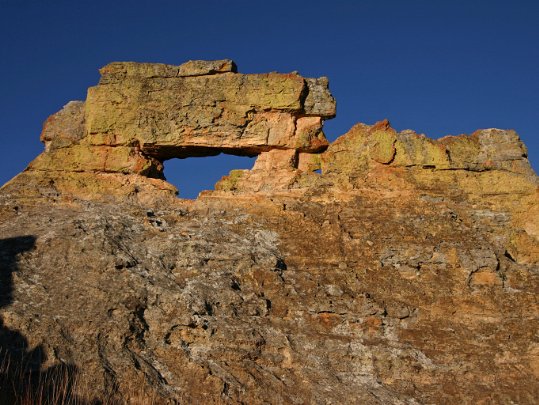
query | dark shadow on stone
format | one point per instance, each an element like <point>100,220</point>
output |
<point>21,376</point>
<point>9,249</point>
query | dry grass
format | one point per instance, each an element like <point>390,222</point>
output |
<point>61,385</point>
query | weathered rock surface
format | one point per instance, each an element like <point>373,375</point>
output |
<point>141,114</point>
<point>405,273</point>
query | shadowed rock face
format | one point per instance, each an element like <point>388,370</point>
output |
<point>405,272</point>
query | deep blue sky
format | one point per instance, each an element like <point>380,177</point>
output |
<point>438,67</point>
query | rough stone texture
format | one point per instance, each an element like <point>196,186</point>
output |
<point>118,71</point>
<point>141,114</point>
<point>167,114</point>
<point>64,128</point>
<point>406,272</point>
<point>319,101</point>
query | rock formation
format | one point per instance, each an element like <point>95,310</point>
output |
<point>141,114</point>
<point>406,272</point>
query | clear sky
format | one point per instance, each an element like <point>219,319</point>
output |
<point>438,67</point>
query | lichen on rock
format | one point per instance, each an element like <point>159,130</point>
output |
<point>141,114</point>
<point>385,267</point>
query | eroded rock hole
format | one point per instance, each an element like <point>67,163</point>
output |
<point>195,174</point>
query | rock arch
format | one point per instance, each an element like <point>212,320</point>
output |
<point>141,114</point>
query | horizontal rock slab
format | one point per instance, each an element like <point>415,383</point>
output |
<point>118,71</point>
<point>100,159</point>
<point>158,106</point>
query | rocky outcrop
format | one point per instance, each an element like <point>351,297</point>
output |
<point>383,268</point>
<point>141,114</point>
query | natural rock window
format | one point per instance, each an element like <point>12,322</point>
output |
<point>142,114</point>
<point>191,176</point>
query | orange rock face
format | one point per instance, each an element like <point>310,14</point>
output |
<point>141,114</point>
<point>383,268</point>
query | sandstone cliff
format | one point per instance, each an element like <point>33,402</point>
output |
<point>383,268</point>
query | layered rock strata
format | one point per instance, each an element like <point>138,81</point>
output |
<point>383,268</point>
<point>141,114</point>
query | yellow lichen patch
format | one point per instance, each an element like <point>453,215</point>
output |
<point>524,248</point>
<point>107,107</point>
<point>308,162</point>
<point>463,150</point>
<point>120,70</point>
<point>94,158</point>
<point>527,217</point>
<point>230,182</point>
<point>495,182</point>
<point>273,90</point>
<point>149,105</point>
<point>348,153</point>
<point>111,185</point>
<point>91,186</point>
<point>382,146</point>
<point>417,150</point>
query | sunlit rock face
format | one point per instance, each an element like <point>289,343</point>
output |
<point>383,268</point>
<point>141,114</point>
<point>168,111</point>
